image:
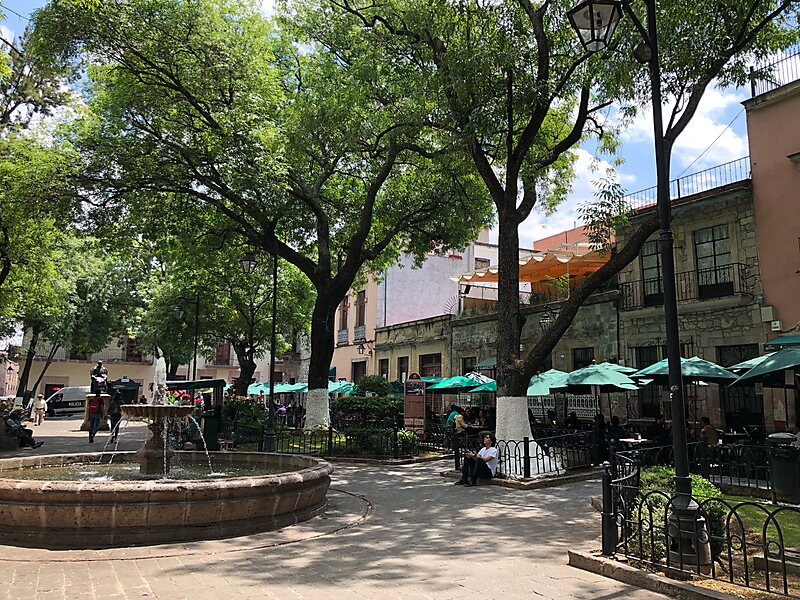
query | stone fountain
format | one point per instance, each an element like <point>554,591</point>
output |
<point>45,502</point>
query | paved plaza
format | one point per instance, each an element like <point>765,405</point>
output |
<point>389,532</point>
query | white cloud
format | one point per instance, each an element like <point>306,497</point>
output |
<point>716,110</point>
<point>6,33</point>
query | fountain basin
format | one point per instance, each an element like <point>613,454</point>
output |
<point>103,514</point>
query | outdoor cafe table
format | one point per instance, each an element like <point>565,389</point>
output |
<point>632,443</point>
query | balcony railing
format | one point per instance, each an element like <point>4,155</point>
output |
<point>695,183</point>
<point>776,74</point>
<point>729,280</point>
<point>341,337</point>
<point>359,333</point>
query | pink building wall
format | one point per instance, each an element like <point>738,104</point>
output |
<point>571,236</point>
<point>773,124</point>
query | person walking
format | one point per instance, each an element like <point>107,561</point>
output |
<point>95,415</point>
<point>115,414</point>
<point>39,408</point>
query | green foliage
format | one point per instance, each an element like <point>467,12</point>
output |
<point>560,285</point>
<point>377,384</point>
<point>606,214</point>
<point>246,411</point>
<point>369,406</point>
<point>662,479</point>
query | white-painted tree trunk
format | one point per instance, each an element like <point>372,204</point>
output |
<point>513,425</point>
<point>317,409</point>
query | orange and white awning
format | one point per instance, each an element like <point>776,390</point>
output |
<point>542,266</point>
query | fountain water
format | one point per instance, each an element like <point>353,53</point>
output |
<point>56,502</point>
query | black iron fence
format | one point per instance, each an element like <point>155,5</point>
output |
<point>735,279</point>
<point>742,466</point>
<point>373,442</point>
<point>537,456</point>
<point>737,539</point>
<point>783,71</point>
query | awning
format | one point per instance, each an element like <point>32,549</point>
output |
<point>783,341</point>
<point>487,363</point>
<point>542,266</point>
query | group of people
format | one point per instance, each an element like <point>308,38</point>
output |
<point>97,413</point>
<point>460,420</point>
<point>15,428</point>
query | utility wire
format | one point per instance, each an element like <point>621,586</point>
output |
<point>712,143</point>
<point>13,12</point>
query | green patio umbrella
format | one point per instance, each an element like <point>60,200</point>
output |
<point>543,384</point>
<point>489,386</point>
<point>770,371</point>
<point>598,379</point>
<point>692,369</point>
<point>340,387</point>
<point>616,367</point>
<point>746,365</point>
<point>454,385</point>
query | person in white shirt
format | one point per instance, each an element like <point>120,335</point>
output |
<point>482,465</point>
<point>796,432</point>
<point>39,408</point>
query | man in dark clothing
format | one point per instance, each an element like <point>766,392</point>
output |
<point>13,422</point>
<point>658,432</point>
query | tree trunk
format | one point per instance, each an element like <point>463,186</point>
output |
<point>322,345</point>
<point>46,366</point>
<point>172,370</point>
<point>247,367</point>
<point>26,370</point>
<point>509,323</point>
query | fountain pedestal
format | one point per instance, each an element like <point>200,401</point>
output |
<point>155,458</point>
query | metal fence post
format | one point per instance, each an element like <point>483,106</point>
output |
<point>456,455</point>
<point>330,440</point>
<point>609,525</point>
<point>526,457</point>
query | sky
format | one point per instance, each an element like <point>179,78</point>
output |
<point>716,135</point>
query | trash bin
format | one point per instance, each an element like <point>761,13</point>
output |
<point>212,421</point>
<point>784,465</point>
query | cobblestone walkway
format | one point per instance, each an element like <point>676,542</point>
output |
<point>396,532</point>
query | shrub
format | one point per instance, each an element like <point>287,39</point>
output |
<point>375,384</point>
<point>661,479</point>
<point>369,406</point>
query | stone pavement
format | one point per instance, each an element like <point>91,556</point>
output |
<point>390,532</point>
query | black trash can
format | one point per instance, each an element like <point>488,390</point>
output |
<point>212,423</point>
<point>784,465</point>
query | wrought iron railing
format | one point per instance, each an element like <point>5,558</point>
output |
<point>740,541</point>
<point>736,279</point>
<point>372,442</point>
<point>535,457</point>
<point>777,73</point>
<point>694,183</point>
<point>359,333</point>
<point>342,337</point>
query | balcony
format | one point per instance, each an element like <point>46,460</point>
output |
<point>359,333</point>
<point>728,280</point>
<point>341,338</point>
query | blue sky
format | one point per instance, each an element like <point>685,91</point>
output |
<point>716,135</point>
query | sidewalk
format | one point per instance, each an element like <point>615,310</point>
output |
<point>390,532</point>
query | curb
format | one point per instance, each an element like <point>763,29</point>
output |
<point>601,565</point>
<point>532,484</point>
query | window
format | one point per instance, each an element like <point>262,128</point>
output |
<point>359,370</point>
<point>361,309</point>
<point>649,395</point>
<point>383,368</point>
<point>482,263</point>
<point>651,274</point>
<point>712,250</point>
<point>132,351</point>
<point>430,365</point>
<point>402,368</point>
<point>468,364</point>
<point>743,408</point>
<point>344,308</point>
<point>582,357</point>
<point>223,354</point>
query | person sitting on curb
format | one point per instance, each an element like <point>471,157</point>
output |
<point>13,423</point>
<point>482,465</point>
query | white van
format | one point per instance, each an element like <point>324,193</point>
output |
<point>68,400</point>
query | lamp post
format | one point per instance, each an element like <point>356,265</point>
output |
<point>179,312</point>
<point>595,21</point>
<point>248,263</point>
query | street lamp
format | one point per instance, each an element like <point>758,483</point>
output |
<point>595,21</point>
<point>179,312</point>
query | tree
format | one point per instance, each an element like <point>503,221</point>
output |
<point>510,81</point>
<point>312,155</point>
